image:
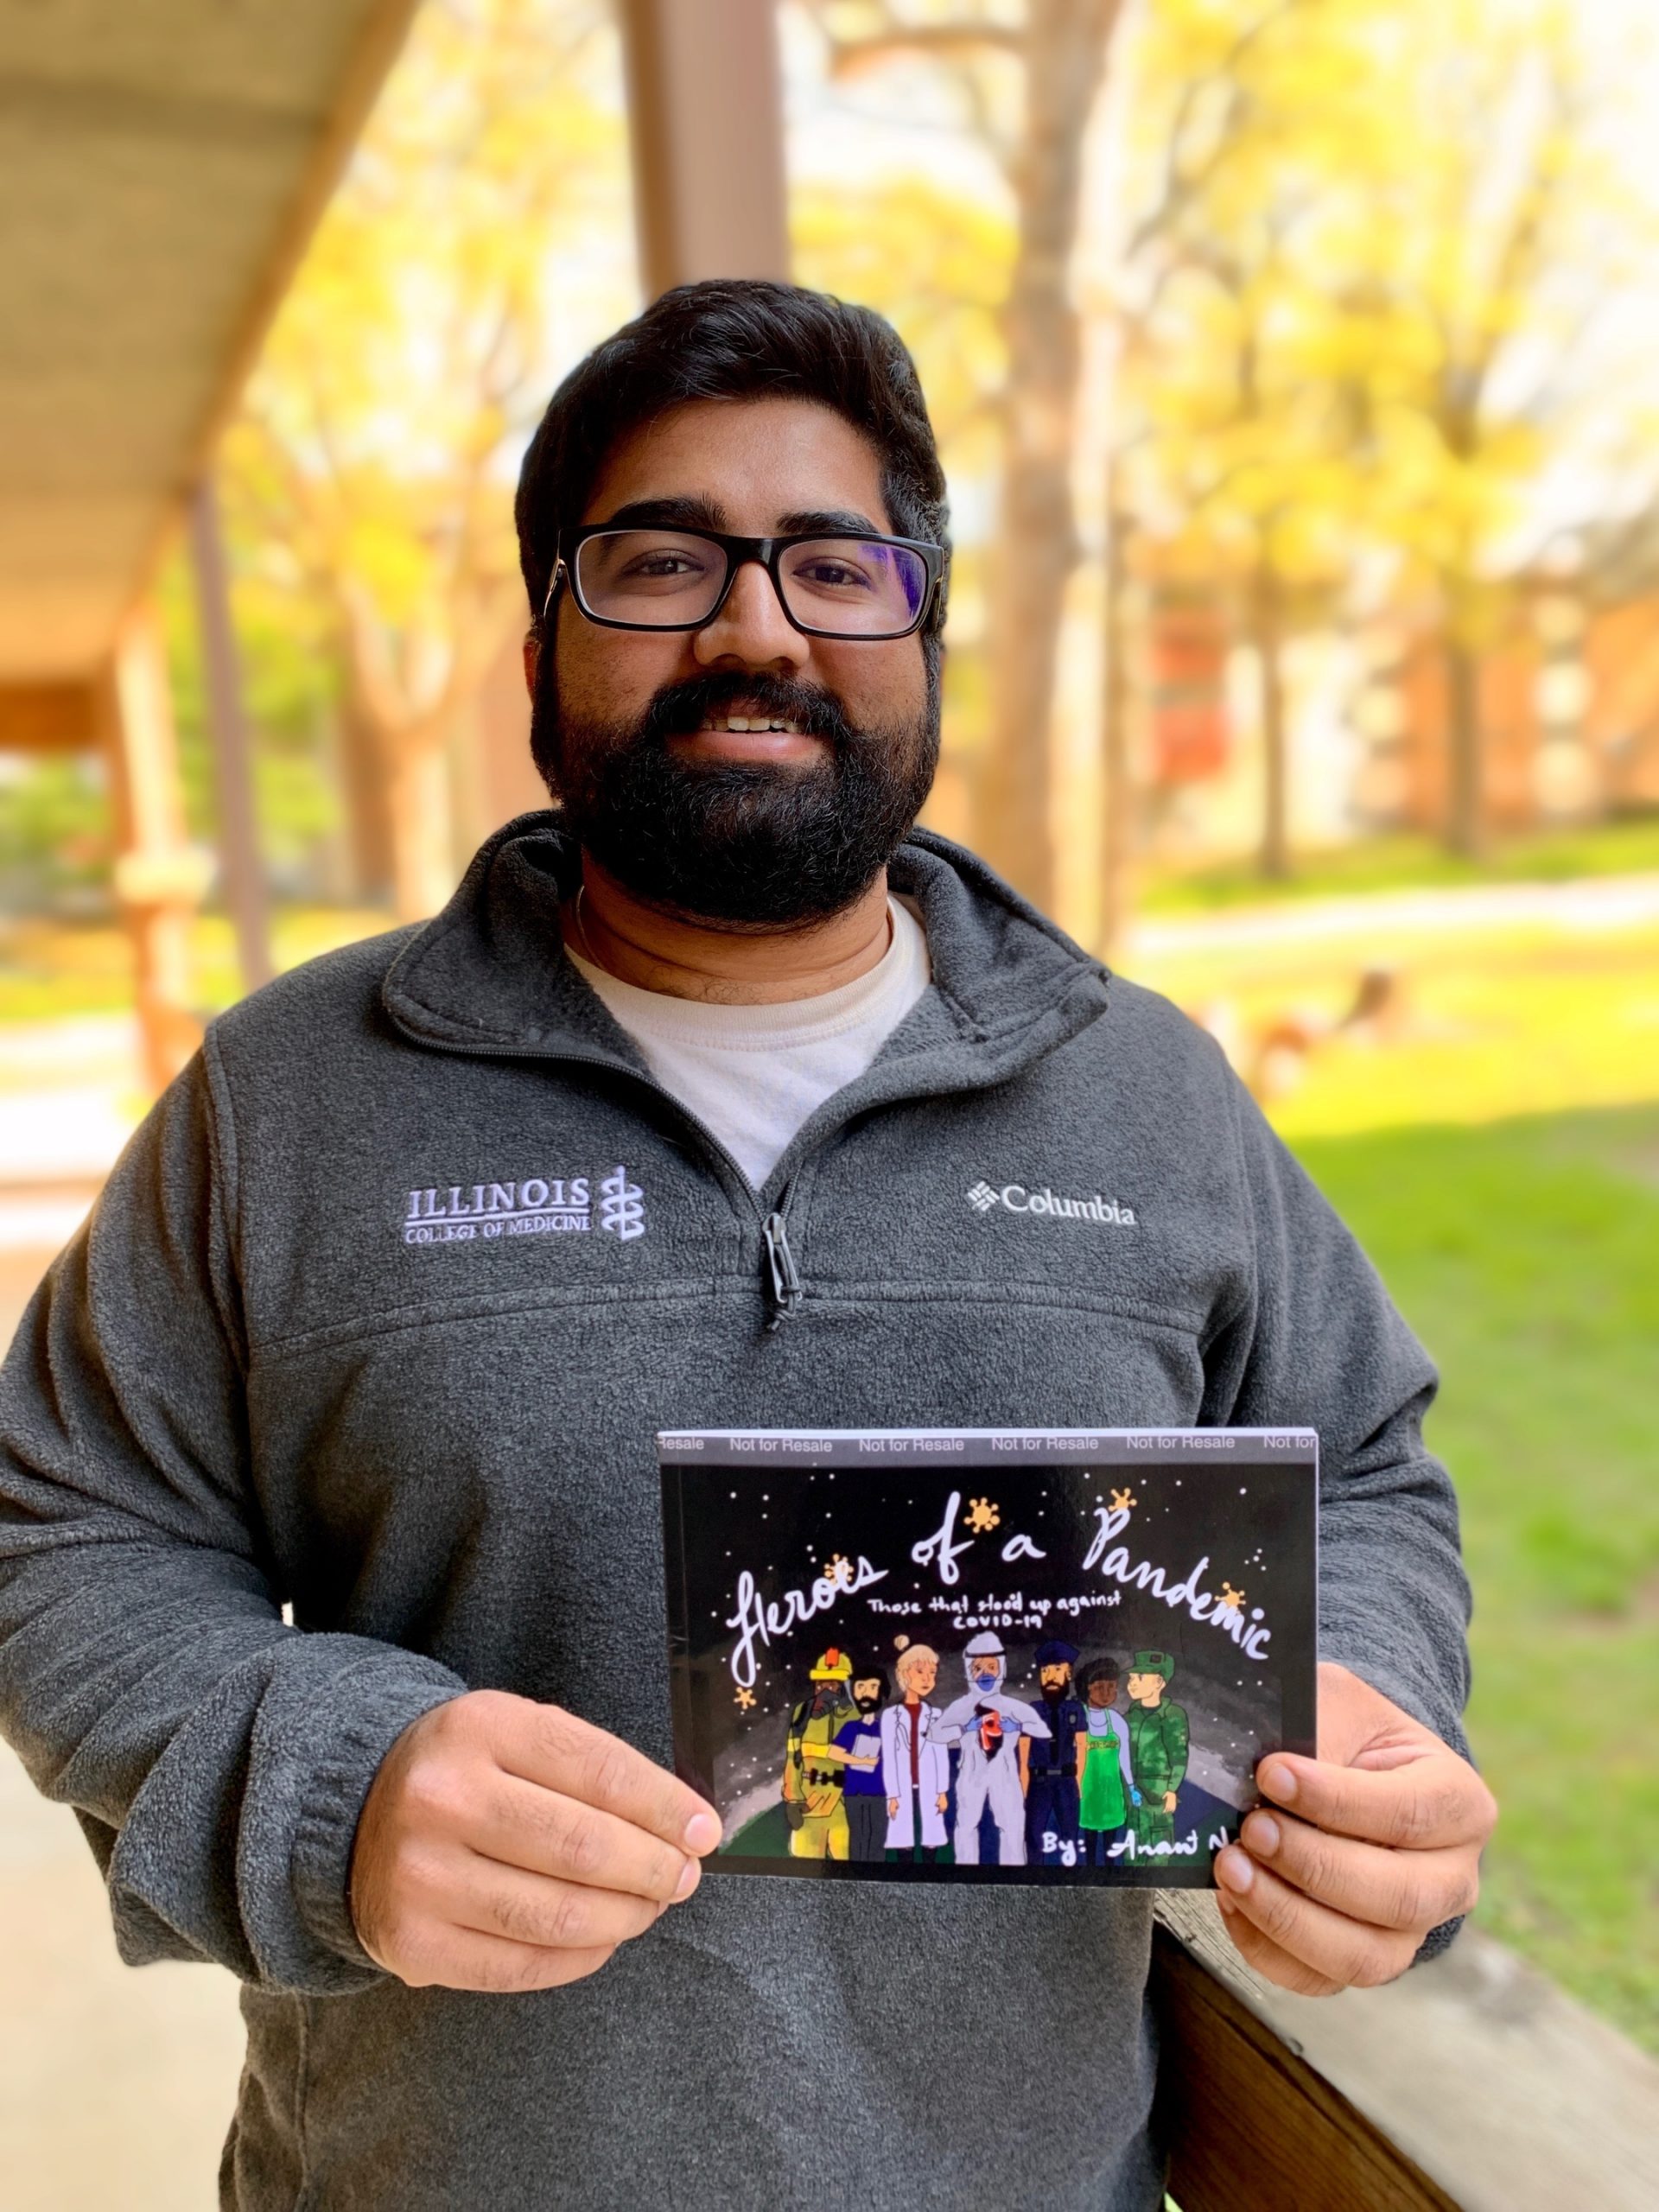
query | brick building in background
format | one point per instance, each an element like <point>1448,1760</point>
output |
<point>1569,699</point>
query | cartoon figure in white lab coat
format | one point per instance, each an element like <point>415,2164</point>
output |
<point>915,1767</point>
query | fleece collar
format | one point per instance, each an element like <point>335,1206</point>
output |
<point>489,974</point>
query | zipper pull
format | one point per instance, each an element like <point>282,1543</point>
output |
<point>786,1280</point>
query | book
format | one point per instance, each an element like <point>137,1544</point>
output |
<point>987,1656</point>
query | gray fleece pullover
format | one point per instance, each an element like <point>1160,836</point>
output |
<point>285,1362</point>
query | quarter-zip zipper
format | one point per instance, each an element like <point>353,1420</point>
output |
<point>785,1278</point>
<point>782,1282</point>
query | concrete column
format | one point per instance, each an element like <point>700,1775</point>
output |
<point>159,878</point>
<point>705,112</point>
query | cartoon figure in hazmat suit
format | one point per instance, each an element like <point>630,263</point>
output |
<point>989,1726</point>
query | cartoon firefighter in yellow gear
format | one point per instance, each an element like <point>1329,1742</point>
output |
<point>814,1769</point>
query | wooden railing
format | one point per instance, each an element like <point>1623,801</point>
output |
<point>1473,2083</point>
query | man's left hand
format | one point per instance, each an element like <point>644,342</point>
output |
<point>1379,1840</point>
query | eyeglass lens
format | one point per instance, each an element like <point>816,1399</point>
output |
<point>672,580</point>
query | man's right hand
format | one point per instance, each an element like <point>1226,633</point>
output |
<point>506,1845</point>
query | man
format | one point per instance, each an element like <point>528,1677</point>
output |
<point>329,1342</point>
<point>989,1726</point>
<point>915,1767</point>
<point>858,1745</point>
<point>1049,1765</point>
<point>1158,1747</point>
<point>813,1789</point>
<point>1106,1786</point>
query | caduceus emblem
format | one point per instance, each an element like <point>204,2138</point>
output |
<point>622,1207</point>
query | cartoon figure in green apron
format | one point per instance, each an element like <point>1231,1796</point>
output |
<point>1158,1745</point>
<point>1105,1776</point>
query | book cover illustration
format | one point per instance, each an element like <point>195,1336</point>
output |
<point>987,1656</point>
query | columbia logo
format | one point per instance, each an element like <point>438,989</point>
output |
<point>1014,1198</point>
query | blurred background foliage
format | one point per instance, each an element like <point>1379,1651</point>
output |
<point>1293,361</point>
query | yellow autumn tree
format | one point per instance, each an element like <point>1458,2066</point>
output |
<point>1241,450</point>
<point>936,262</point>
<point>372,464</point>
<point>1376,241</point>
<point>1496,242</point>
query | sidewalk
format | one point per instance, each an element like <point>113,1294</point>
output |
<point>115,2087</point>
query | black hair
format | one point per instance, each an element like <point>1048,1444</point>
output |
<point>731,339</point>
<point>1099,1671</point>
<point>875,1673</point>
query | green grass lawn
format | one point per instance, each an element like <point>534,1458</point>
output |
<point>1521,1017</point>
<point>1526,1255</point>
<point>50,969</point>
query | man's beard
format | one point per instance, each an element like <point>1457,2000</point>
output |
<point>752,845</point>
<point>868,1704</point>
<point>1053,1692</point>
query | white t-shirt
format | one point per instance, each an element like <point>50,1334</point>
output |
<point>755,1074</point>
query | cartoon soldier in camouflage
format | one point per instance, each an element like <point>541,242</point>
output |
<point>814,1771</point>
<point>1158,1745</point>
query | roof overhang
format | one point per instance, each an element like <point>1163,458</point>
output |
<point>165,163</point>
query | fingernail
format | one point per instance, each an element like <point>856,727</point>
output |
<point>701,1833</point>
<point>1233,1867</point>
<point>1262,1834</point>
<point>690,1874</point>
<point>1278,1782</point>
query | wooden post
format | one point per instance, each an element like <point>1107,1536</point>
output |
<point>240,869</point>
<point>159,879</point>
<point>705,118</point>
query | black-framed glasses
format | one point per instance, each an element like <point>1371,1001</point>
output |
<point>849,585</point>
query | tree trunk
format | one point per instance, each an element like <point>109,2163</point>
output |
<point>1267,635</point>
<point>416,772</point>
<point>1065,51</point>
<point>1117,830</point>
<point>363,782</point>
<point>1465,812</point>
